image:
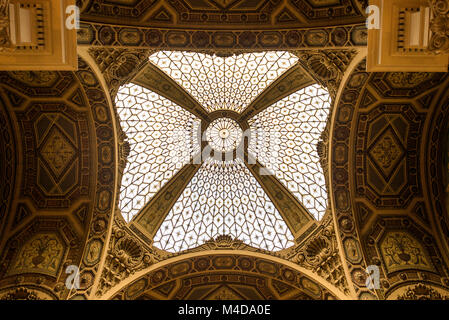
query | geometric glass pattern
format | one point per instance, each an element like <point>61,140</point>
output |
<point>285,141</point>
<point>162,138</point>
<point>219,83</point>
<point>224,134</point>
<point>223,198</point>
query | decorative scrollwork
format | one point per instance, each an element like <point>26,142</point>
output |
<point>319,253</point>
<point>326,66</point>
<point>20,294</point>
<point>439,25</point>
<point>126,255</point>
<point>422,292</point>
<point>118,65</point>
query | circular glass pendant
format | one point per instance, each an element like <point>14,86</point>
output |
<point>224,134</point>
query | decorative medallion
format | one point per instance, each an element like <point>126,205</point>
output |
<point>224,134</point>
<point>57,151</point>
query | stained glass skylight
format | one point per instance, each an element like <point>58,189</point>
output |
<point>161,137</point>
<point>224,134</point>
<point>224,83</point>
<point>223,198</point>
<point>287,135</point>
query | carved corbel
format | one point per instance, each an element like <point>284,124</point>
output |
<point>125,256</point>
<point>327,67</point>
<point>119,66</point>
<point>319,253</point>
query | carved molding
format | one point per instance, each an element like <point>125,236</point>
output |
<point>228,40</point>
<point>327,67</point>
<point>5,40</point>
<point>118,66</point>
<point>422,292</point>
<point>126,255</point>
<point>320,254</point>
<point>439,25</point>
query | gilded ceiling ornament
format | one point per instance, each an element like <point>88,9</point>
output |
<point>322,66</point>
<point>326,66</point>
<point>35,78</point>
<point>128,252</point>
<point>20,294</point>
<point>318,250</point>
<point>57,151</point>
<point>386,151</point>
<point>439,25</point>
<point>5,40</point>
<point>322,149</point>
<point>83,4</point>
<point>43,253</point>
<point>126,255</point>
<point>408,79</point>
<point>123,66</point>
<point>118,65</point>
<point>422,292</point>
<point>402,251</point>
<point>224,293</point>
<point>320,254</point>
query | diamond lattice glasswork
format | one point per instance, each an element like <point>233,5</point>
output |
<point>224,83</point>
<point>162,137</point>
<point>286,137</point>
<point>223,198</point>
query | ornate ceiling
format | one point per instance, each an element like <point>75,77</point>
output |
<point>223,13</point>
<point>383,154</point>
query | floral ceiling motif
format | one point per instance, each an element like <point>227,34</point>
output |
<point>295,123</point>
<point>223,198</point>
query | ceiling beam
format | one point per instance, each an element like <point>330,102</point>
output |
<point>154,79</point>
<point>292,211</point>
<point>293,80</point>
<point>150,217</point>
<point>219,40</point>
